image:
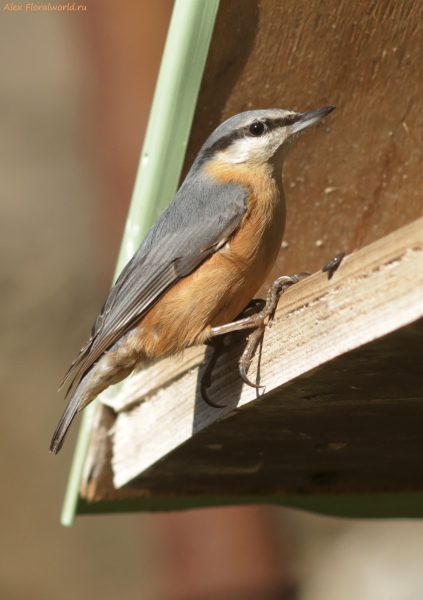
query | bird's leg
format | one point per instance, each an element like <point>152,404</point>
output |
<point>257,322</point>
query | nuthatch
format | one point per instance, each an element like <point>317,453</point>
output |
<point>203,259</point>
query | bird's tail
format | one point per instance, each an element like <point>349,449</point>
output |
<point>68,416</point>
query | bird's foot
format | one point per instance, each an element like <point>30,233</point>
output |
<point>258,322</point>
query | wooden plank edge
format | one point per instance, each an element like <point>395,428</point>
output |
<point>387,250</point>
<point>391,268</point>
<point>383,505</point>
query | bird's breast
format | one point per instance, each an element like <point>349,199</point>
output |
<point>252,251</point>
<point>220,288</point>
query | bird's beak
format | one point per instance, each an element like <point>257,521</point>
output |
<point>310,118</point>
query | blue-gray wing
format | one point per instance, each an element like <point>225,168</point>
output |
<point>197,222</point>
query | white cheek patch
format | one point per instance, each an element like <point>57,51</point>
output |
<point>255,149</point>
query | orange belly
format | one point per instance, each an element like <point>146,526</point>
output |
<point>217,291</point>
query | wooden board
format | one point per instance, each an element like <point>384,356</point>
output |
<point>342,364</point>
<point>357,176</point>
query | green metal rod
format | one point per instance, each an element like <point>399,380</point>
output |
<point>160,166</point>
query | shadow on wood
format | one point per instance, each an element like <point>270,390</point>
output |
<point>341,410</point>
<point>341,363</point>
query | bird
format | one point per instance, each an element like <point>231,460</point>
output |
<point>201,262</point>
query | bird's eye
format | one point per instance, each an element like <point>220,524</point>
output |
<point>257,128</point>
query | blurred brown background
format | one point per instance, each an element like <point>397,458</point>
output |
<point>75,91</point>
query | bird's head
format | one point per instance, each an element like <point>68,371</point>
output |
<point>257,136</point>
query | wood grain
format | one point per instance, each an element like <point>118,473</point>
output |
<point>356,176</point>
<point>336,350</point>
<point>341,364</point>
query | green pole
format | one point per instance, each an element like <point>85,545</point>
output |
<point>161,161</point>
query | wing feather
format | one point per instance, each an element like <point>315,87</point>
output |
<point>198,221</point>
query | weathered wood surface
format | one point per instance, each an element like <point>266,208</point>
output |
<point>357,176</point>
<point>352,422</point>
<point>342,365</point>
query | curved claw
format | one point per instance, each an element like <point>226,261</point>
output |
<point>302,275</point>
<point>243,373</point>
<point>292,279</point>
<point>207,400</point>
<point>205,382</point>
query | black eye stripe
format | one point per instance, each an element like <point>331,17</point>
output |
<point>285,121</point>
<point>227,140</point>
<point>222,144</point>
